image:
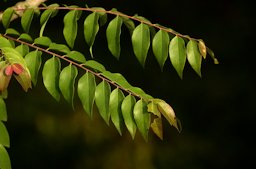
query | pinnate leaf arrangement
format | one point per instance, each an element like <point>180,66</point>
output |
<point>116,100</point>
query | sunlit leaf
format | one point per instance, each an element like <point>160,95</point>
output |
<point>211,53</point>
<point>113,36</point>
<point>26,19</point>
<point>13,56</point>
<point>194,56</point>
<point>4,139</point>
<point>4,42</point>
<point>120,80</point>
<point>48,13</point>
<point>167,111</point>
<point>3,113</point>
<point>59,47</point>
<point>34,61</point>
<point>160,45</point>
<point>43,41</point>
<point>5,162</point>
<point>102,95</point>
<point>22,49</point>
<point>67,83</point>
<point>202,48</point>
<point>95,65</point>
<point>26,37</point>
<point>141,42</point>
<point>157,127</point>
<point>51,71</point>
<point>142,118</point>
<point>11,31</point>
<point>86,92</point>
<point>70,26</point>
<point>76,56</point>
<point>115,102</point>
<point>7,16</point>
<point>177,53</point>
<point>91,28</point>
<point>127,112</point>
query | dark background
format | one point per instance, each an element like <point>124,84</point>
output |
<point>216,111</point>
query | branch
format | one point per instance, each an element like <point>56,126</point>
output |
<point>20,6</point>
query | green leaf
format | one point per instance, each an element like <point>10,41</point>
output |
<point>4,42</point>
<point>194,56</point>
<point>43,41</point>
<point>157,127</point>
<point>102,94</point>
<point>59,47</point>
<point>11,31</point>
<point>102,15</point>
<point>22,49</point>
<point>7,16</point>
<point>76,56</point>
<point>127,112</point>
<point>13,56</point>
<point>210,52</point>
<point>5,162</point>
<point>113,36</point>
<point>70,26</point>
<point>51,71</point>
<point>160,45</point>
<point>115,102</point>
<point>3,113</point>
<point>4,139</point>
<point>67,83</point>
<point>49,13</point>
<point>202,48</point>
<point>142,118</point>
<point>141,42</point>
<point>86,92</point>
<point>91,28</point>
<point>167,111</point>
<point>177,54</point>
<point>34,61</point>
<point>26,37</point>
<point>24,79</point>
<point>95,65</point>
<point>121,81</point>
<point>129,24</point>
<point>27,18</point>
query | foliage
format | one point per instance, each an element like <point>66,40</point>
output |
<point>115,99</point>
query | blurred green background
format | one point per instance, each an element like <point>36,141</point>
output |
<point>217,111</point>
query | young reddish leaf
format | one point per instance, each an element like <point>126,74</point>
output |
<point>8,70</point>
<point>24,79</point>
<point>17,68</point>
<point>4,80</point>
